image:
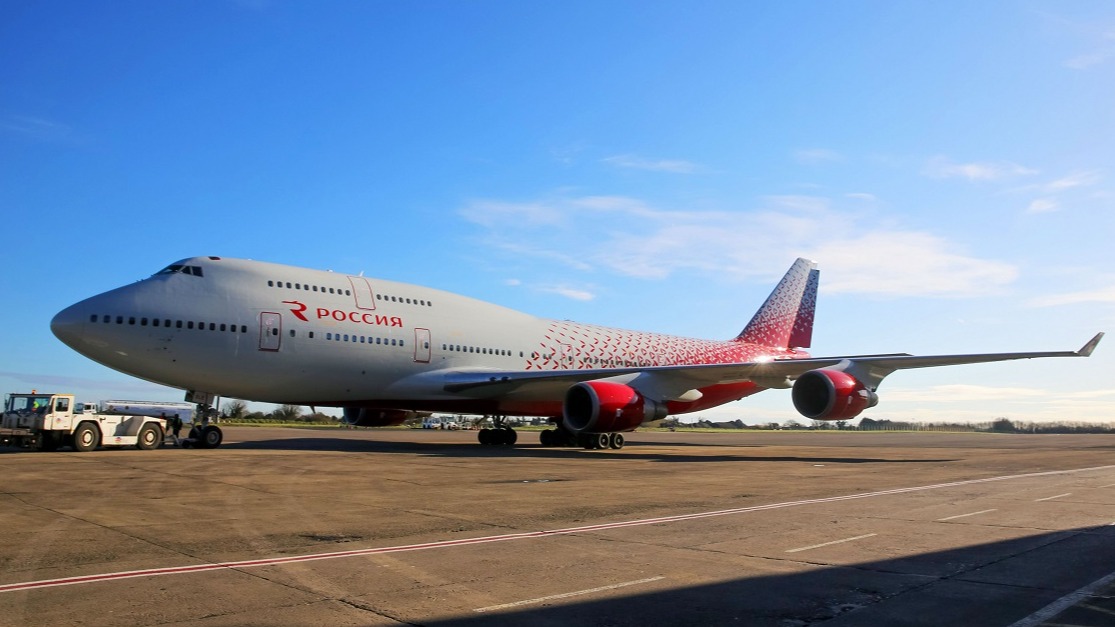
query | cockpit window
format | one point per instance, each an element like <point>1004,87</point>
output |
<point>180,268</point>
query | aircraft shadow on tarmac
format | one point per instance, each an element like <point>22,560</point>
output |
<point>630,451</point>
<point>988,584</point>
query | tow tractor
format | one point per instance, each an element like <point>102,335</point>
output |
<point>47,422</point>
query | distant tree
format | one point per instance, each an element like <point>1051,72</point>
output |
<point>841,424</point>
<point>1003,425</point>
<point>235,409</point>
<point>792,424</point>
<point>287,412</point>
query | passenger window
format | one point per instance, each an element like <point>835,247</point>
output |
<point>63,404</point>
<point>213,327</point>
<point>143,322</point>
<point>292,333</point>
<point>270,284</point>
<point>190,324</point>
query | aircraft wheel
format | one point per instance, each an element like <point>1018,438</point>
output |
<point>212,436</point>
<point>484,436</point>
<point>86,437</point>
<point>615,441</point>
<point>546,438</point>
<point>149,437</point>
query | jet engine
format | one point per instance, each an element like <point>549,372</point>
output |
<point>831,395</point>
<point>367,417</point>
<point>607,407</point>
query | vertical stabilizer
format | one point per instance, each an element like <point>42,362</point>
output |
<point>786,318</point>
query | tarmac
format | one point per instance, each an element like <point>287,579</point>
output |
<point>419,527</point>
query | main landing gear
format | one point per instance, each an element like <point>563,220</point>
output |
<point>501,435</point>
<point>591,441</point>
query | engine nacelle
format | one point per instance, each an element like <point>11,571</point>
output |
<point>365,417</point>
<point>606,407</point>
<point>831,395</point>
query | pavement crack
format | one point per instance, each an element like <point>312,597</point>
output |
<point>364,607</point>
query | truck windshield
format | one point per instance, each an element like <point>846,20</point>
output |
<point>27,404</point>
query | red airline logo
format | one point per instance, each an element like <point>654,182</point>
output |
<point>340,315</point>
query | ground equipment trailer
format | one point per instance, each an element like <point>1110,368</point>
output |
<point>47,422</point>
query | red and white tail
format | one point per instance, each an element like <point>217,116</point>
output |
<point>786,318</point>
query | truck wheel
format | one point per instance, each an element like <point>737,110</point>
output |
<point>150,436</point>
<point>86,437</point>
<point>211,437</point>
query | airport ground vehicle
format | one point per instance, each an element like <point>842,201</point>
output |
<point>47,422</point>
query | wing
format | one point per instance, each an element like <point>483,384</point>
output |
<point>674,382</point>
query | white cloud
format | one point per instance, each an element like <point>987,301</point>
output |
<point>960,393</point>
<point>1101,295</point>
<point>942,167</point>
<point>813,156</point>
<point>906,263</point>
<point>627,237</point>
<point>568,292</point>
<point>34,127</point>
<point>1076,179</point>
<point>676,166</point>
<point>861,196</point>
<point>1043,205</point>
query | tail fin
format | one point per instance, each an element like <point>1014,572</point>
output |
<point>786,318</point>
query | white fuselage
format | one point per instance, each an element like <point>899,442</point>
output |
<point>275,333</point>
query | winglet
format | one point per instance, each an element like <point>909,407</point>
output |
<point>1086,351</point>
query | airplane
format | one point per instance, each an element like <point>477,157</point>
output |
<point>384,351</point>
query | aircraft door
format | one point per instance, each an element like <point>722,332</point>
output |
<point>362,290</point>
<point>422,346</point>
<point>270,331</point>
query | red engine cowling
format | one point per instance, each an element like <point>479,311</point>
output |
<point>831,395</point>
<point>606,407</point>
<point>365,417</point>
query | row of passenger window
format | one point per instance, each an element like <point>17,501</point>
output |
<point>362,339</point>
<point>409,301</point>
<point>308,287</point>
<point>457,348</point>
<point>177,324</point>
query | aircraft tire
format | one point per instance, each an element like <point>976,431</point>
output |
<point>484,436</point>
<point>211,437</point>
<point>510,436</point>
<point>546,438</point>
<point>615,441</point>
<point>149,437</point>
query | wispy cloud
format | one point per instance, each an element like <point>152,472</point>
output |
<point>568,292</point>
<point>35,128</point>
<point>942,167</point>
<point>635,162</point>
<point>1101,295</point>
<point>628,237</point>
<point>815,156</point>
<point>1103,52</point>
<point>1043,205</point>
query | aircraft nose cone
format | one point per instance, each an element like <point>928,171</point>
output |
<point>68,325</point>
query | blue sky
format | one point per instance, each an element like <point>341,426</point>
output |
<point>654,166</point>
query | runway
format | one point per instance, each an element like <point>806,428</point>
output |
<point>290,527</point>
